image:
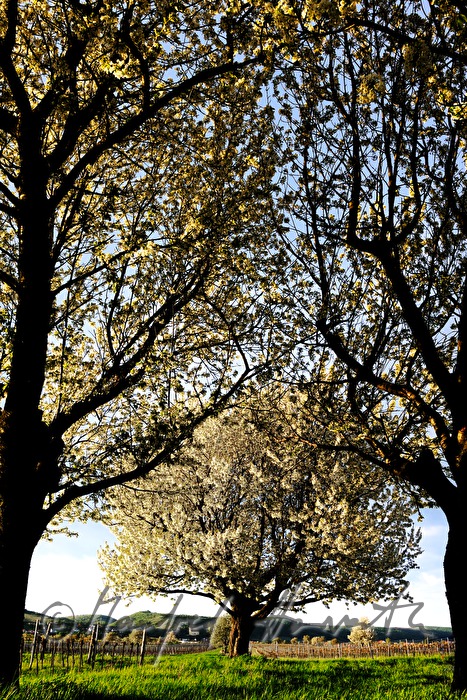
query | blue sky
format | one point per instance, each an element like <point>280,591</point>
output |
<point>65,574</point>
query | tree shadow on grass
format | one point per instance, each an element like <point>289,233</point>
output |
<point>255,678</point>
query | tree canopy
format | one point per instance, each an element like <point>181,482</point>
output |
<point>142,285</point>
<point>248,511</point>
<point>137,164</point>
<point>375,123</point>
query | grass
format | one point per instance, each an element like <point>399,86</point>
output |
<point>210,676</point>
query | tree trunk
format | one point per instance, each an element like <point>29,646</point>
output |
<point>27,468</point>
<point>455,594</point>
<point>15,560</point>
<point>240,632</point>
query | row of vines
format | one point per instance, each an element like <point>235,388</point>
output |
<point>44,652</point>
<point>348,650</point>
<point>77,654</point>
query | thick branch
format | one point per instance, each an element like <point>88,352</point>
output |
<point>427,473</point>
<point>460,372</point>
<point>417,324</point>
<point>9,281</point>
<point>366,374</point>
<point>8,121</point>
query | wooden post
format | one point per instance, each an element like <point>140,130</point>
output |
<point>93,645</point>
<point>34,643</point>
<point>96,639</point>
<point>143,648</point>
<point>44,642</point>
<point>89,656</point>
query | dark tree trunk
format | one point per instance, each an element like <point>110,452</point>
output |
<point>240,633</point>
<point>456,597</point>
<point>426,472</point>
<point>241,608</point>
<point>245,612</point>
<point>28,466</point>
<point>15,560</point>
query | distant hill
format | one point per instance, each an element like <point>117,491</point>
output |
<point>287,628</point>
<point>64,625</point>
<point>193,627</point>
<point>189,627</point>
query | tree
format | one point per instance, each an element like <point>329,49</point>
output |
<point>171,638</point>
<point>136,636</point>
<point>220,635</point>
<point>379,218</point>
<point>362,633</point>
<point>134,198</point>
<point>247,513</point>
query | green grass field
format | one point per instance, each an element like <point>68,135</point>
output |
<point>210,676</point>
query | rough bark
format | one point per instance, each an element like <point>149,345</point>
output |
<point>28,472</point>
<point>240,633</point>
<point>15,569</point>
<point>426,472</point>
<point>455,594</point>
<point>21,526</point>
